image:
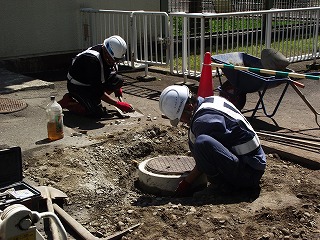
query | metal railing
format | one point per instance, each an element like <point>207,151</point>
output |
<point>97,24</point>
<point>181,39</point>
<point>150,35</point>
<point>146,33</point>
<point>224,6</point>
<point>294,32</point>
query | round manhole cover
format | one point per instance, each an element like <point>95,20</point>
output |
<point>170,164</point>
<point>11,105</point>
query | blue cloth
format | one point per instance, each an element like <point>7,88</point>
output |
<point>215,134</point>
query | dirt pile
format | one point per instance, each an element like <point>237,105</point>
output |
<point>101,183</point>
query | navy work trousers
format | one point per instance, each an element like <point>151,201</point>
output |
<point>214,159</point>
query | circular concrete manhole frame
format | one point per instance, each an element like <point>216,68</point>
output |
<point>161,175</point>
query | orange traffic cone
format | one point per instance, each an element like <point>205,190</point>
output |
<point>205,88</point>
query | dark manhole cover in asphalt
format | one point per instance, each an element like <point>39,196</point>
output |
<point>11,105</point>
<point>170,164</point>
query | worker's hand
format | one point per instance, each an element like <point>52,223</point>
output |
<point>118,93</point>
<point>183,189</point>
<point>124,106</point>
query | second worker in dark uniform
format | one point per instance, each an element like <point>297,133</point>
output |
<point>93,76</point>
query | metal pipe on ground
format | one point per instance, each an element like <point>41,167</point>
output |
<point>289,138</point>
<point>305,138</point>
<point>76,226</point>
<point>50,193</point>
<point>82,231</point>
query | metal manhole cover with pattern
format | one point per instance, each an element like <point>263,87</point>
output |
<point>11,105</point>
<point>173,164</point>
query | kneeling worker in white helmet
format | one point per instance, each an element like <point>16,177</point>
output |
<point>223,143</point>
<point>93,76</point>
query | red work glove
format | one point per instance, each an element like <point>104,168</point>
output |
<point>183,189</point>
<point>124,106</point>
<point>118,93</point>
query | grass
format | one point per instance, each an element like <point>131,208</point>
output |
<point>240,23</point>
<point>293,37</point>
<point>299,47</point>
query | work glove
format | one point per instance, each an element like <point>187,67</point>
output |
<point>118,93</point>
<point>124,106</point>
<point>183,189</point>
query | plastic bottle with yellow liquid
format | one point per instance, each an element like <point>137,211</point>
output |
<point>54,120</point>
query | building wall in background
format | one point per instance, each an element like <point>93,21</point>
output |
<point>45,27</point>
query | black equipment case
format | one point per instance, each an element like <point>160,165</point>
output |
<point>13,189</point>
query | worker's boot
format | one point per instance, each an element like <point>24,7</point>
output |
<point>67,102</point>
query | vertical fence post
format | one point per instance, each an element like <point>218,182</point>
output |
<point>315,41</point>
<point>202,40</point>
<point>268,30</point>
<point>171,42</point>
<point>87,27</point>
<point>184,48</point>
<point>145,42</point>
<point>133,43</point>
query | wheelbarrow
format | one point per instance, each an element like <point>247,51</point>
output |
<point>241,82</point>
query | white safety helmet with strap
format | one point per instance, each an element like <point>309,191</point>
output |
<point>116,47</point>
<point>172,102</point>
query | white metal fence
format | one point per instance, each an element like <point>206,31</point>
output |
<point>181,39</point>
<point>294,32</point>
<point>98,24</point>
<point>223,6</point>
<point>146,33</point>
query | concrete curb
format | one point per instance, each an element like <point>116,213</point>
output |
<point>303,157</point>
<point>30,85</point>
<point>13,82</point>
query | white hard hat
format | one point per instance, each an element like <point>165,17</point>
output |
<point>172,102</point>
<point>116,47</point>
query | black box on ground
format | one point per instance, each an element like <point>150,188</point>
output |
<point>13,189</point>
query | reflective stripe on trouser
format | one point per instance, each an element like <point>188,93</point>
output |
<point>212,157</point>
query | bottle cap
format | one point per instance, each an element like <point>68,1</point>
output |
<point>52,98</point>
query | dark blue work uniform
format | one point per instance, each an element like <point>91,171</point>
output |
<point>89,77</point>
<point>224,144</point>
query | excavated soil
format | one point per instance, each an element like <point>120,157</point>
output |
<point>103,194</point>
<point>95,164</point>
